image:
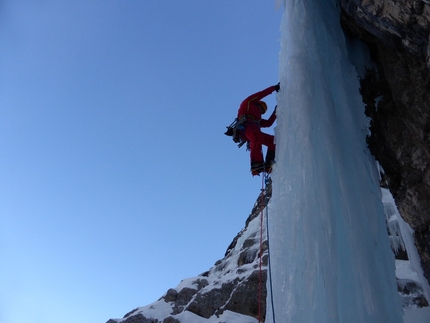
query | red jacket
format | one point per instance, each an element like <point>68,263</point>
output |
<point>250,108</point>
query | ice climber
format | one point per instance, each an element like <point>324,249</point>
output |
<point>249,116</point>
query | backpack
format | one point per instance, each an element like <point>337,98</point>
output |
<point>234,130</point>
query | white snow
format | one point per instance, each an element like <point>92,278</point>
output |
<point>404,271</point>
<point>408,270</point>
<point>407,237</point>
<point>223,272</point>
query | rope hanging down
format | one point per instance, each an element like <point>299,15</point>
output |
<point>264,202</point>
<point>260,280</point>
<point>269,265</point>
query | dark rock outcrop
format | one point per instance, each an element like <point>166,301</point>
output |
<point>247,295</point>
<point>396,92</point>
<point>412,294</point>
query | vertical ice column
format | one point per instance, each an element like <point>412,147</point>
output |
<point>331,260</point>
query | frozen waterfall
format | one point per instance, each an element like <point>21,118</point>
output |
<point>330,255</point>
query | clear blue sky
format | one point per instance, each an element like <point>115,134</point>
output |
<point>116,180</point>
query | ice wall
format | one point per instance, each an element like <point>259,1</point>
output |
<point>330,254</point>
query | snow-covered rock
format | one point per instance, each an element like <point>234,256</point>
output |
<point>233,290</point>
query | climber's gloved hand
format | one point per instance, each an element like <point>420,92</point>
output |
<point>278,87</point>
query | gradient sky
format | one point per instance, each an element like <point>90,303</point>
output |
<point>116,178</point>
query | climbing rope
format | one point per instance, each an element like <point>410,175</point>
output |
<point>269,266</point>
<point>260,280</point>
<point>264,206</point>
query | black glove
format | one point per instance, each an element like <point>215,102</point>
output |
<point>278,87</point>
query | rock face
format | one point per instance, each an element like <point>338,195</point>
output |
<point>396,92</point>
<point>235,286</point>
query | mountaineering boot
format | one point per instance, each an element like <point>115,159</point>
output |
<point>257,168</point>
<point>270,157</point>
<point>270,160</point>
